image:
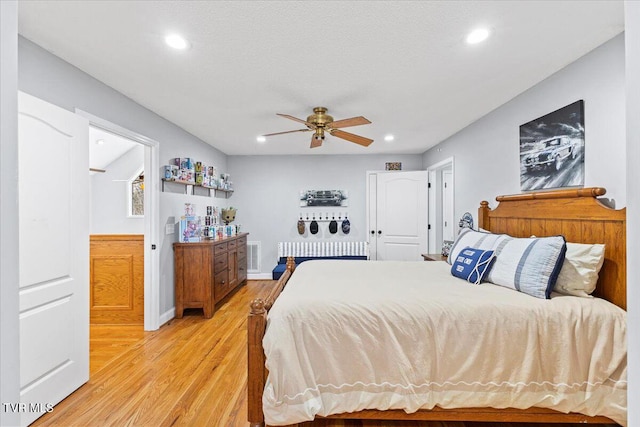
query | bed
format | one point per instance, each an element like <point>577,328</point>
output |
<point>575,214</point>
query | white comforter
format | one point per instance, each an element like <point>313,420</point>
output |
<point>350,335</point>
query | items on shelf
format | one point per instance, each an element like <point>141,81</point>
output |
<point>192,228</point>
<point>186,170</point>
<point>228,214</point>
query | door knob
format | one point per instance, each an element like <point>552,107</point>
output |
<point>379,231</point>
<point>373,232</point>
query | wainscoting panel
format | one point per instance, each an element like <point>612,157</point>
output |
<point>117,279</point>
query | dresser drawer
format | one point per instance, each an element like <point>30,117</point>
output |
<point>242,241</point>
<point>220,247</point>
<point>233,244</point>
<point>242,269</point>
<point>220,263</point>
<point>221,285</point>
<point>242,251</point>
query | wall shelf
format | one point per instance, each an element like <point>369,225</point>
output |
<point>193,185</point>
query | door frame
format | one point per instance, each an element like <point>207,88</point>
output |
<point>151,217</point>
<point>435,200</point>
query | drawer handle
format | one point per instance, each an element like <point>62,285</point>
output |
<point>222,283</point>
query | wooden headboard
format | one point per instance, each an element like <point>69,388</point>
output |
<point>579,217</point>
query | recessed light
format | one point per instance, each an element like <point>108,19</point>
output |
<point>389,138</point>
<point>478,35</point>
<point>100,141</point>
<point>261,139</point>
<point>176,41</point>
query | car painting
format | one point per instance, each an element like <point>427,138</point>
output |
<point>549,154</point>
<point>323,198</point>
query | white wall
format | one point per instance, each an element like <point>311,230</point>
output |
<point>9,332</point>
<point>267,190</point>
<point>632,33</point>
<point>486,152</point>
<point>110,195</point>
<point>50,78</point>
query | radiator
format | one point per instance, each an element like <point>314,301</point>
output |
<point>309,249</point>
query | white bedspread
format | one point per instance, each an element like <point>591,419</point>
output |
<point>350,335</point>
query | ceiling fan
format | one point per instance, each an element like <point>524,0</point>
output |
<point>320,122</point>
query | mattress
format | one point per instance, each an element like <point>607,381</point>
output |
<point>349,336</point>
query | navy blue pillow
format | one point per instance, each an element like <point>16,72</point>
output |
<point>472,264</point>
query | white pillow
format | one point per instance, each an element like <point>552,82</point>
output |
<point>579,273</point>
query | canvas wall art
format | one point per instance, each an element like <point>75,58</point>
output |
<point>552,150</point>
<point>324,198</point>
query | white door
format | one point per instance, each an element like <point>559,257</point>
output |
<point>447,205</point>
<point>400,226</point>
<point>54,254</point>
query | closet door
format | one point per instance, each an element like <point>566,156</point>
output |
<point>398,215</point>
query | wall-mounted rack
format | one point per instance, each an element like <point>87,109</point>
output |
<point>322,218</point>
<point>188,184</point>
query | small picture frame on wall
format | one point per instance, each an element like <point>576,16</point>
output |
<point>393,166</point>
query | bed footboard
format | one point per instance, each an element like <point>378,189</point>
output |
<point>256,326</point>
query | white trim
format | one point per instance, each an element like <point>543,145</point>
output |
<point>435,170</point>
<point>167,316</point>
<point>151,220</point>
<point>259,276</point>
<point>442,164</point>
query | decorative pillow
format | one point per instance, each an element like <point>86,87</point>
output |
<point>469,238</point>
<point>472,264</point>
<point>579,273</point>
<point>529,265</point>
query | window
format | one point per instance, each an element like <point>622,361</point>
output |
<point>136,195</point>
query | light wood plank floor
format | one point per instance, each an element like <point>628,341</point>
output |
<point>191,372</point>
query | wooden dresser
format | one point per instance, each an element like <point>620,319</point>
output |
<point>206,272</point>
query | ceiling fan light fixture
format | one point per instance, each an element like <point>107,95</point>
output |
<point>389,137</point>
<point>320,122</point>
<point>261,138</point>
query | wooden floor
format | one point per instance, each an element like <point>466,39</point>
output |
<point>191,372</point>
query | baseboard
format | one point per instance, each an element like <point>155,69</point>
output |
<point>259,276</point>
<point>167,315</point>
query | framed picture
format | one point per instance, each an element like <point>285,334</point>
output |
<point>324,198</point>
<point>393,166</point>
<point>552,149</point>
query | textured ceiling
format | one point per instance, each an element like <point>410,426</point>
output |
<point>403,65</point>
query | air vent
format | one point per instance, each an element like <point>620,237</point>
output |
<point>253,257</point>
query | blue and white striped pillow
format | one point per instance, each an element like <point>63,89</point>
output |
<point>474,239</point>
<point>529,265</point>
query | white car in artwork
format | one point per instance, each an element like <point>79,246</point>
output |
<point>549,153</point>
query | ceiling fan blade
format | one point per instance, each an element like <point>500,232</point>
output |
<point>345,123</point>
<point>310,125</point>
<point>351,137</point>
<point>315,142</point>
<point>289,131</point>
